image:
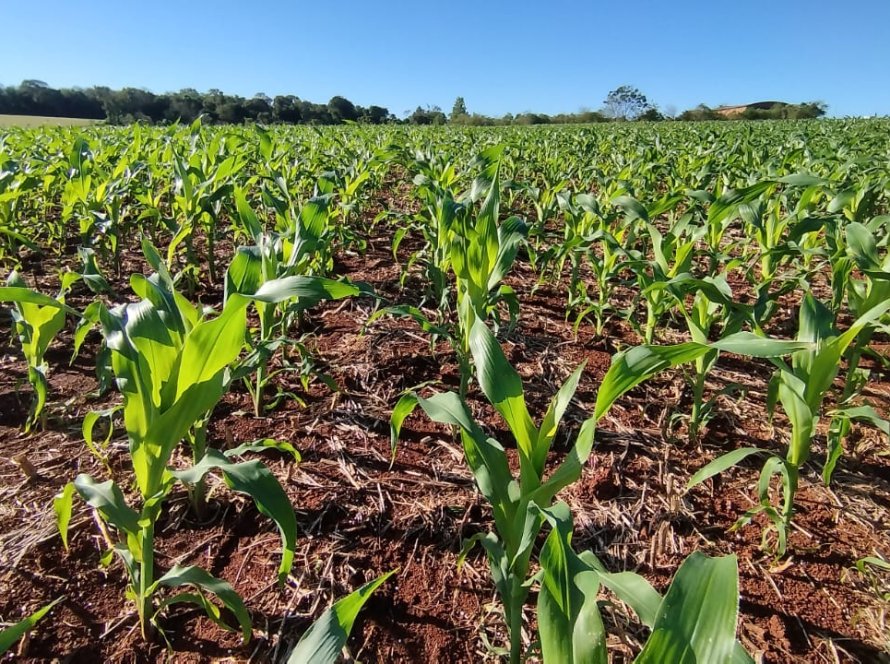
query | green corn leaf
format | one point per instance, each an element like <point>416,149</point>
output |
<point>403,408</point>
<point>839,429</point>
<point>632,367</point>
<point>245,273</point>
<point>569,622</point>
<point>862,247</point>
<point>721,463</point>
<point>484,456</point>
<point>511,233</point>
<point>37,378</point>
<point>163,299</point>
<point>324,640</point>
<point>774,465</point>
<point>109,500</point>
<point>824,364</point>
<point>166,430</point>
<point>872,561</point>
<point>24,295</point>
<point>10,635</point>
<point>630,588</point>
<point>246,215</point>
<point>841,200</point>
<point>503,387</point>
<point>698,617</point>
<point>803,180</point>
<point>263,445</point>
<point>86,323</point>
<point>89,424</point>
<point>865,414</point>
<point>803,417</point>
<point>63,504</point>
<point>206,582</point>
<point>211,347</point>
<point>752,345</point>
<point>570,469</point>
<point>557,409</point>
<point>252,478</point>
<point>725,204</point>
<point>210,609</point>
<point>448,408</point>
<point>309,291</point>
<point>632,208</point>
<point>314,215</point>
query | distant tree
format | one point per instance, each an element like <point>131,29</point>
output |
<point>459,110</point>
<point>806,111</point>
<point>377,114</point>
<point>33,84</point>
<point>285,109</point>
<point>814,109</point>
<point>626,103</point>
<point>427,116</point>
<point>783,111</point>
<point>342,109</point>
<point>185,105</point>
<point>318,114</point>
<point>232,110</point>
<point>531,119</point>
<point>699,113</point>
<point>258,109</point>
<point>651,114</point>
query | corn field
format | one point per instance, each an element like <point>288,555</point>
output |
<point>389,394</point>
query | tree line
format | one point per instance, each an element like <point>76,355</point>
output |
<point>127,105</point>
<point>137,105</point>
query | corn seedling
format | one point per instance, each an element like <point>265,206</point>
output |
<point>800,387</point>
<point>515,501</point>
<point>711,305</point>
<point>172,367</point>
<point>480,253</point>
<point>37,319</point>
<point>277,255</point>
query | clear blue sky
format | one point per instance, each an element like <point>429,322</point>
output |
<point>546,56</point>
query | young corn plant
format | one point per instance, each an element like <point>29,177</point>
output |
<point>800,387</point>
<point>14,189</point>
<point>864,292</point>
<point>480,253</point>
<point>672,254</point>
<point>37,319</point>
<point>596,240</point>
<point>436,225</point>
<point>711,305</point>
<point>509,548</point>
<point>202,181</point>
<point>277,255</point>
<point>172,367</point>
<point>517,501</point>
<point>695,621</point>
<point>723,208</point>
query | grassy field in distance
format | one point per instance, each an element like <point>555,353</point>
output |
<point>42,120</point>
